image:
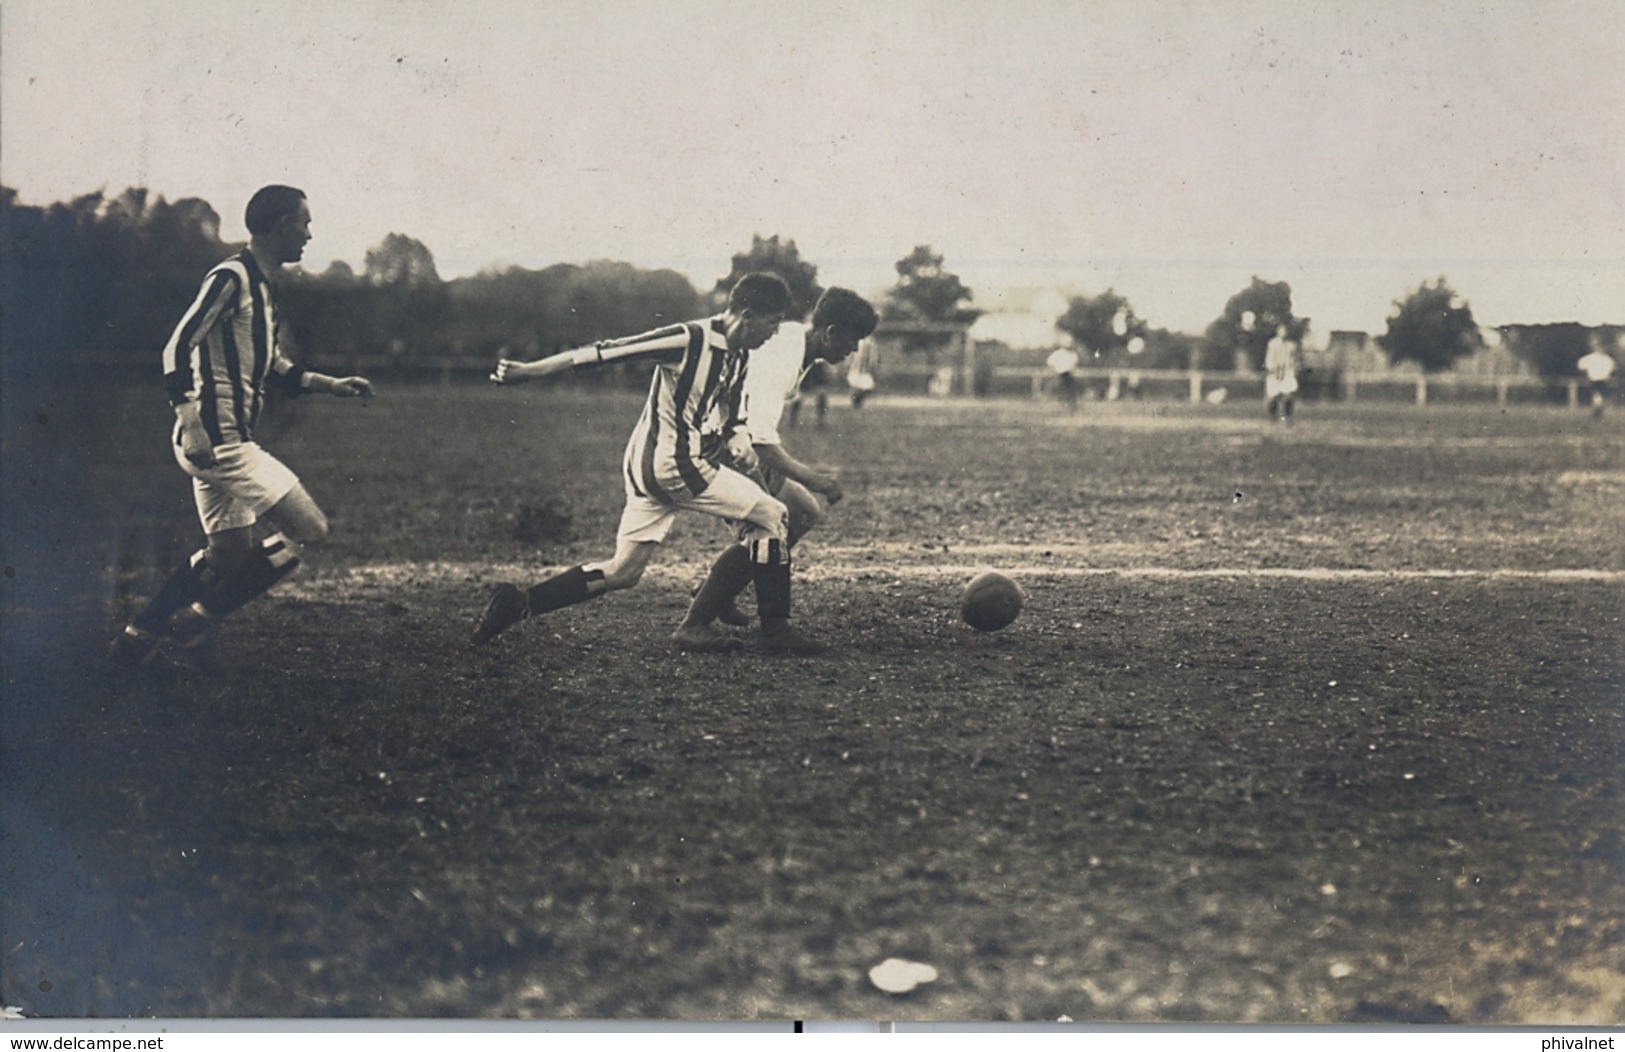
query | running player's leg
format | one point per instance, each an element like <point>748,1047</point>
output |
<point>735,498</point>
<point>766,536</point>
<point>151,629</point>
<point>245,559</point>
<point>243,485</point>
<point>716,599</point>
<point>804,510</point>
<point>247,562</point>
<point>765,531</point>
<point>728,576</point>
<point>298,517</point>
<point>732,571</point>
<point>621,571</point>
<point>644,525</point>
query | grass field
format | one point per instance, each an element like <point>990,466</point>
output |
<point>1314,724</point>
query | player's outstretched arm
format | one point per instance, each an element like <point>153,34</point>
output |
<point>664,344</point>
<point>512,371</point>
<point>338,386</point>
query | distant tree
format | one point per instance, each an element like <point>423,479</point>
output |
<point>617,299</point>
<point>539,312</point>
<point>925,292</point>
<point>83,256</point>
<point>774,257</point>
<point>172,247</point>
<point>515,308</point>
<point>406,306</point>
<point>1552,349</point>
<point>101,274</point>
<point>1432,327</point>
<point>1248,323</point>
<point>401,260</point>
<point>1104,327</point>
<point>330,317</point>
<point>1165,349</point>
<point>31,318</point>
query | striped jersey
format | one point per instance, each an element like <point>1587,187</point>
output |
<point>224,351</point>
<point>693,406</point>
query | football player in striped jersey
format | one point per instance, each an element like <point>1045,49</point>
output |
<point>690,423</point>
<point>840,321</point>
<point>219,362</point>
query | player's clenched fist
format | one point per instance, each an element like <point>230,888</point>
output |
<point>741,453</point>
<point>830,485</point>
<point>195,444</point>
<point>505,372</point>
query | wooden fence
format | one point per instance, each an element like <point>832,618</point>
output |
<point>1196,385</point>
<point>1190,385</point>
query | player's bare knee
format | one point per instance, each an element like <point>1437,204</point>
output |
<point>624,571</point>
<point>299,518</point>
<point>770,515</point>
<point>803,520</point>
<point>307,530</point>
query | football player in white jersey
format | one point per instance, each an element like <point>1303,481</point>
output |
<point>1280,376</point>
<point>840,321</point>
<point>1598,367</point>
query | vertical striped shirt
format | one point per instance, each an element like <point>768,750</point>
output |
<point>225,351</point>
<point>673,451</point>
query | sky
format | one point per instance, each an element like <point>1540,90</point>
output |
<point>1168,149</point>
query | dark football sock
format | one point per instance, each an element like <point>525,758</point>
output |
<point>183,588</point>
<point>728,577</point>
<point>770,572</point>
<point>575,585</point>
<point>274,561</point>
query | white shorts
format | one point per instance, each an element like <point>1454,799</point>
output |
<point>245,483</point>
<point>729,496</point>
<point>1280,385</point>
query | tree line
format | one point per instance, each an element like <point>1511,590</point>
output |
<point>110,276</point>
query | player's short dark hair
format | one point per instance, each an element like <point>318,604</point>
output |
<point>760,292</point>
<point>269,205</point>
<point>847,309</point>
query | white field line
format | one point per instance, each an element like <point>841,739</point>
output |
<point>829,565</point>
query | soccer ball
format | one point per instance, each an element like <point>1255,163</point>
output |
<point>990,601</point>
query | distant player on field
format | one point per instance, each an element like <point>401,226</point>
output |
<point>691,421</point>
<point>840,321</point>
<point>217,366</point>
<point>860,375</point>
<point>815,385</point>
<point>1598,368</point>
<point>1280,375</point>
<point>1063,362</point>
